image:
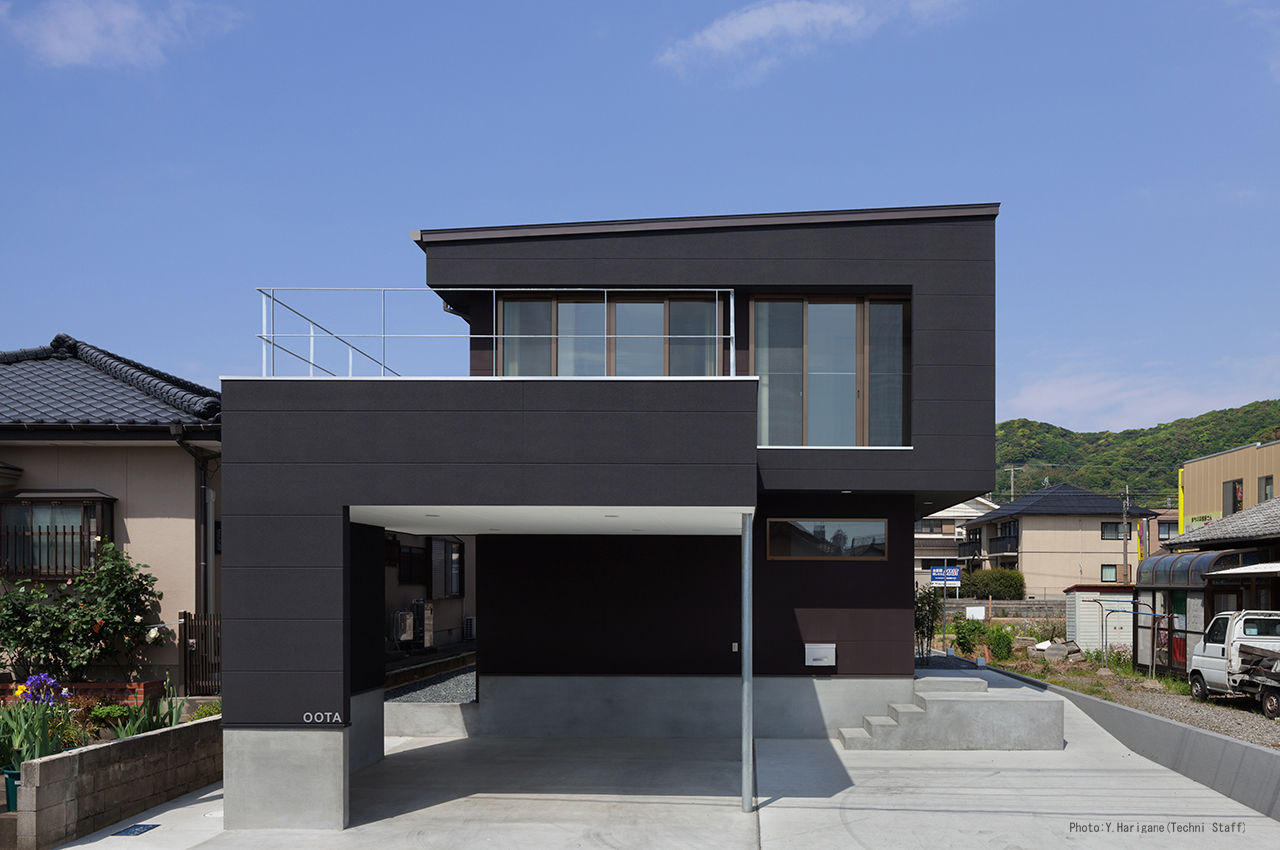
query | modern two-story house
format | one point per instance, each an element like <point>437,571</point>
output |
<point>690,455</point>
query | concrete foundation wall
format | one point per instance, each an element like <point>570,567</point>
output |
<point>651,707</point>
<point>285,778</point>
<point>74,793</point>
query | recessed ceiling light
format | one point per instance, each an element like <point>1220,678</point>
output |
<point>928,503</point>
<point>612,516</point>
<point>495,529</point>
<point>846,492</point>
<point>432,516</point>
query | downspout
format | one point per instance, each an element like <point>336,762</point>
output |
<point>204,521</point>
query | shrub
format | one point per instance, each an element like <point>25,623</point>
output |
<point>998,584</point>
<point>109,715</point>
<point>928,610</point>
<point>209,709</point>
<point>63,628</point>
<point>1000,641</point>
<point>969,633</point>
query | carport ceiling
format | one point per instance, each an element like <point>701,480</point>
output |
<point>552,519</point>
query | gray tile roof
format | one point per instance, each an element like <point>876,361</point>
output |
<point>1062,500</point>
<point>1260,522</point>
<point>70,382</point>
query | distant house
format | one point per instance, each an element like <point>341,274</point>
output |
<point>93,445</point>
<point>938,535</point>
<point>1225,483</point>
<point>1057,537</point>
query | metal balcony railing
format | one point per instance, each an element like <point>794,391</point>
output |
<point>1003,545</point>
<point>969,548</point>
<point>378,331</point>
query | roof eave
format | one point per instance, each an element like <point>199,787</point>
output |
<point>465,234</point>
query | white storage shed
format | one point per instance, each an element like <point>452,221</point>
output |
<point>1087,608</point>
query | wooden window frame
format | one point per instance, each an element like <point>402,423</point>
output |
<point>862,432</point>
<point>719,337</point>
<point>770,556</point>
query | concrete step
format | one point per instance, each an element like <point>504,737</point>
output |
<point>903,712</point>
<point>878,724</point>
<point>855,739</point>
<point>938,684</point>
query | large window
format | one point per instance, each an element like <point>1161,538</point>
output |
<point>52,536</point>
<point>832,372</point>
<point>1166,528</point>
<point>928,526</point>
<point>636,336</point>
<point>827,539</point>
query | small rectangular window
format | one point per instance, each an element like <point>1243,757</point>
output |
<point>1232,496</point>
<point>1111,531</point>
<point>1266,488</point>
<point>827,539</point>
<point>1167,529</point>
<point>928,526</point>
<point>1108,572</point>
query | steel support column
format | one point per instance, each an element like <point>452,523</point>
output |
<point>748,723</point>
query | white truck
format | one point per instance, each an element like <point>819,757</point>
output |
<point>1239,654</point>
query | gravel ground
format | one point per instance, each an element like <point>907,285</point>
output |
<point>454,686</point>
<point>1238,717</point>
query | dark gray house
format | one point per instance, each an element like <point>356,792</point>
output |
<point>656,409</point>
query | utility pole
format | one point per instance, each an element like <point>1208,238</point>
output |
<point>1124,532</point>
<point>1011,470</point>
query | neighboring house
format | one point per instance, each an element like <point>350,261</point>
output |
<point>938,535</point>
<point>1057,537</point>
<point>1154,532</point>
<point>427,602</point>
<point>1229,564</point>
<point>1221,484</point>
<point>660,412</point>
<point>96,446</point>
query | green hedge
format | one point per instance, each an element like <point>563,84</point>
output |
<point>998,584</point>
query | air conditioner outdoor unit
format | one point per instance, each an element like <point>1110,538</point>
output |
<point>468,628</point>
<point>404,625</point>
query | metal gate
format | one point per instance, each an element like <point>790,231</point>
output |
<point>200,637</point>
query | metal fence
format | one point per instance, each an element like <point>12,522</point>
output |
<point>44,551</point>
<point>200,638</point>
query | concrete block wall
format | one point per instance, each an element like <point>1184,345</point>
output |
<point>71,794</point>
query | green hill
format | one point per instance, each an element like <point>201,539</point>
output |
<point>1146,459</point>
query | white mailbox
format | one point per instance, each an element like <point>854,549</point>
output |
<point>820,655</point>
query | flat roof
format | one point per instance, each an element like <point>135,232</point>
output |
<point>705,222</point>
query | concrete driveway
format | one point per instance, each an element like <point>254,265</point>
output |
<point>556,793</point>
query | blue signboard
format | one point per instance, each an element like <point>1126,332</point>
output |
<point>944,576</point>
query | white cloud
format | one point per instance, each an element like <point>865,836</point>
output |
<point>756,38</point>
<point>113,33</point>
<point>1114,396</point>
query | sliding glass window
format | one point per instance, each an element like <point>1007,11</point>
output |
<point>832,372</point>
<point>635,336</point>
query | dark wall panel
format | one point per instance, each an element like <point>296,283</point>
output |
<point>367,592</point>
<point>297,453</point>
<point>608,604</point>
<point>864,607</point>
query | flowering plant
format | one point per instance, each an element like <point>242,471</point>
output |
<point>96,617</point>
<point>41,688</point>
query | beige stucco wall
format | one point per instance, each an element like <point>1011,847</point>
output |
<point>1202,480</point>
<point>157,490</point>
<point>1056,552</point>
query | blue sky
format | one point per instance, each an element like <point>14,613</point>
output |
<point>162,159</point>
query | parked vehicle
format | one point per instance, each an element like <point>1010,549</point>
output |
<point>1240,654</point>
